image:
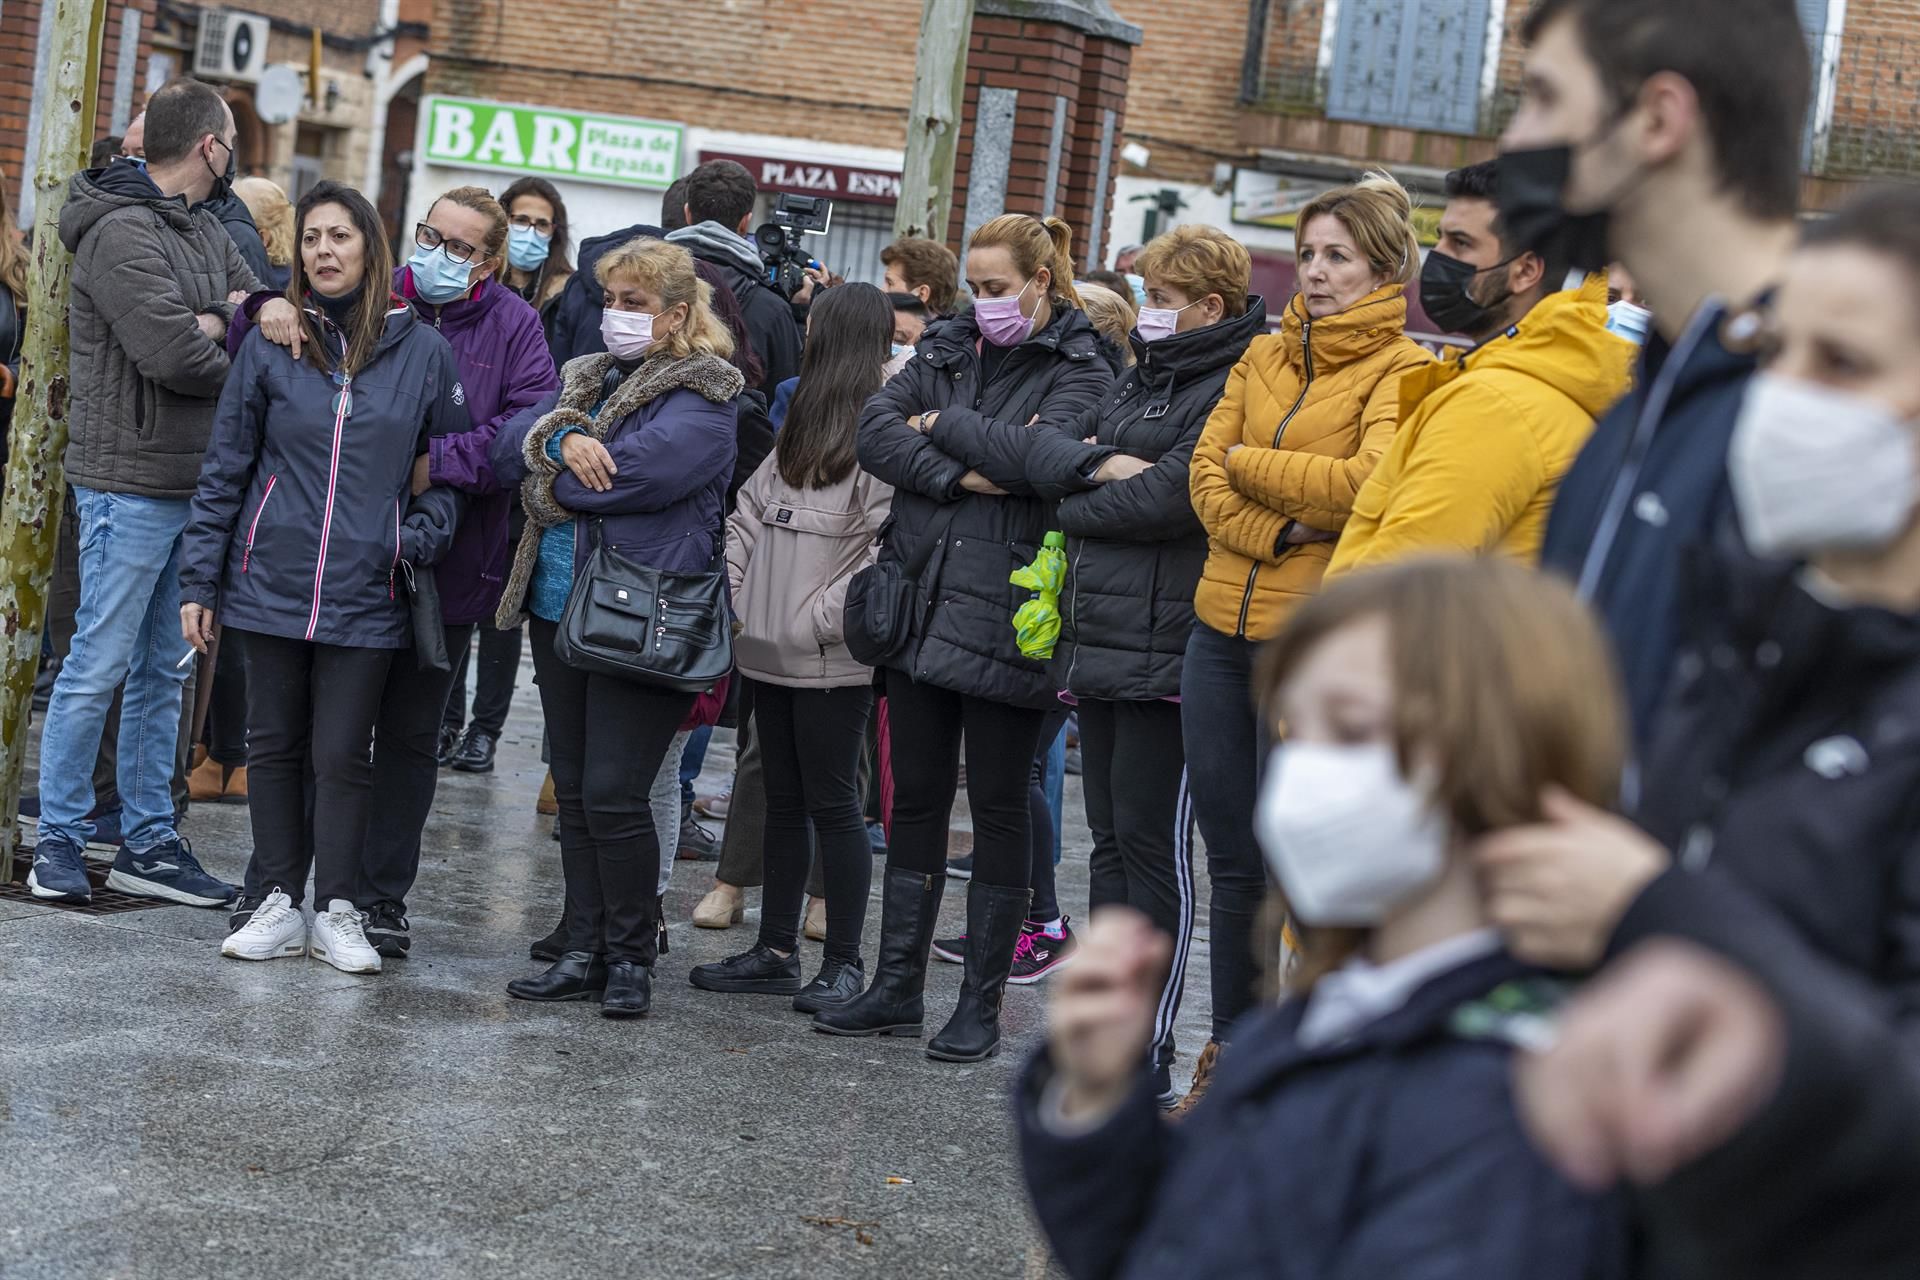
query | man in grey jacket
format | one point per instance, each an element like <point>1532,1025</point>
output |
<point>151,281</point>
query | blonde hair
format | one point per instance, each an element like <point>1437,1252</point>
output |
<point>1199,260</point>
<point>1034,243</point>
<point>667,270</point>
<point>1378,213</point>
<point>13,254</point>
<point>1111,314</point>
<point>481,201</point>
<point>272,216</point>
<point>1502,681</point>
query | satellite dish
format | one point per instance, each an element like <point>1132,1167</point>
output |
<point>277,97</point>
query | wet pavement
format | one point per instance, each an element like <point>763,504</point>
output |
<point>167,1113</point>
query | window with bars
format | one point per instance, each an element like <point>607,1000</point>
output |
<point>1411,63</point>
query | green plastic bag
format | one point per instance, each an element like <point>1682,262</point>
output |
<point>1036,624</point>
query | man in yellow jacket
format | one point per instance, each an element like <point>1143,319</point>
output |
<point>1486,436</point>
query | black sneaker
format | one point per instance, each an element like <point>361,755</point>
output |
<point>1038,953</point>
<point>1164,1095</point>
<point>952,950</point>
<point>757,970</point>
<point>960,868</point>
<point>838,982</point>
<point>387,931</point>
<point>240,912</point>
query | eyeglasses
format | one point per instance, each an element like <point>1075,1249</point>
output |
<point>458,250</point>
<point>543,225</point>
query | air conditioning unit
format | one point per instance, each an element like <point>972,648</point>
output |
<point>232,45</point>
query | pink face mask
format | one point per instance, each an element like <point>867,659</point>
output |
<point>627,334</point>
<point>1001,321</point>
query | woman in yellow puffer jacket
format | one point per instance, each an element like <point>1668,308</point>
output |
<point>1306,417</point>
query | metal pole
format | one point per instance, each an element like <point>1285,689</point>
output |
<point>933,123</point>
<point>30,509</point>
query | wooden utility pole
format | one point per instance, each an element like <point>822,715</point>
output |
<point>35,486</point>
<point>933,124</point>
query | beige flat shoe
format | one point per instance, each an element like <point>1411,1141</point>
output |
<point>722,908</point>
<point>816,925</point>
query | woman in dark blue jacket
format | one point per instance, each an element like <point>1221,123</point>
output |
<point>636,449</point>
<point>300,535</point>
<point>1366,1128</point>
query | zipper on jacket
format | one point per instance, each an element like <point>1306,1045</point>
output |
<point>333,480</point>
<point>1073,611</point>
<point>1306,343</point>
<point>254,528</point>
<point>395,566</point>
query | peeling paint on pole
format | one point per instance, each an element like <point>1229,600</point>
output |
<point>933,122</point>
<point>35,485</point>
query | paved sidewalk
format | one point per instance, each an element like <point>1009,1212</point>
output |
<point>167,1113</point>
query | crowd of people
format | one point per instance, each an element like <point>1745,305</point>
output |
<point>1561,923</point>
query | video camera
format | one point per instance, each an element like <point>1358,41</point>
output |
<point>779,239</point>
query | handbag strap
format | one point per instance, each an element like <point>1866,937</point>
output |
<point>917,563</point>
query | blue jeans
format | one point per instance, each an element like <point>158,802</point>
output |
<point>1225,752</point>
<point>128,628</point>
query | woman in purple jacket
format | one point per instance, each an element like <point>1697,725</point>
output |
<point>636,450</point>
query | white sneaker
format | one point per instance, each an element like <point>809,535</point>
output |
<point>277,928</point>
<point>340,938</point>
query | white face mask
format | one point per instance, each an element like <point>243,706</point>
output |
<point>627,334</point>
<point>1814,469</point>
<point>1346,834</point>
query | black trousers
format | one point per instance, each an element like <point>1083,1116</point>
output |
<point>810,742</point>
<point>925,726</point>
<point>608,738</point>
<point>1141,815</point>
<point>1045,906</point>
<point>406,771</point>
<point>310,703</point>
<point>499,669</point>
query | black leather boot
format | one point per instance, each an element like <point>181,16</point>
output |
<point>892,1006</point>
<point>629,991</point>
<point>577,975</point>
<point>994,916</point>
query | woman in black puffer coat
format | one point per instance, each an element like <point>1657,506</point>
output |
<point>951,434</point>
<point>1135,550</point>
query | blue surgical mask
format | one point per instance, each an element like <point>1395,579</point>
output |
<point>527,248</point>
<point>1139,286</point>
<point>437,278</point>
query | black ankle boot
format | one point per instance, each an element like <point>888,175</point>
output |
<point>892,1006</point>
<point>994,916</point>
<point>576,975</point>
<point>629,990</point>
<point>554,945</point>
<point>837,982</point>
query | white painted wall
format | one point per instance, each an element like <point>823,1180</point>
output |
<point>1203,207</point>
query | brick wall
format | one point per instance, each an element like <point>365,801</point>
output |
<point>832,70</point>
<point>1047,65</point>
<point>19,36</point>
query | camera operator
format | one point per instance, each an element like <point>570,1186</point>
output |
<point>719,205</point>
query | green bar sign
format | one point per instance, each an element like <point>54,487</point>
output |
<point>617,150</point>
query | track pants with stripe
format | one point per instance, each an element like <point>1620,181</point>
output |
<point>1141,814</point>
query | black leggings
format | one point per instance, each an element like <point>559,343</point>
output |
<point>499,667</point>
<point>607,738</point>
<point>312,702</point>
<point>925,725</point>
<point>1045,906</point>
<point>810,742</point>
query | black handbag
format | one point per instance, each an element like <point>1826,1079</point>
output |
<point>883,599</point>
<point>423,609</point>
<point>635,622</point>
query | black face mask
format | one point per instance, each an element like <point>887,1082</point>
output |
<point>223,182</point>
<point>1532,196</point>
<point>1444,294</point>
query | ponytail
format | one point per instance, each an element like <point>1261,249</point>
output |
<point>1061,264</point>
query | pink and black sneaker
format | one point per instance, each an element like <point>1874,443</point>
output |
<point>1040,951</point>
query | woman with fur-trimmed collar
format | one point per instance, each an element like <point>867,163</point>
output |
<point>640,441</point>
